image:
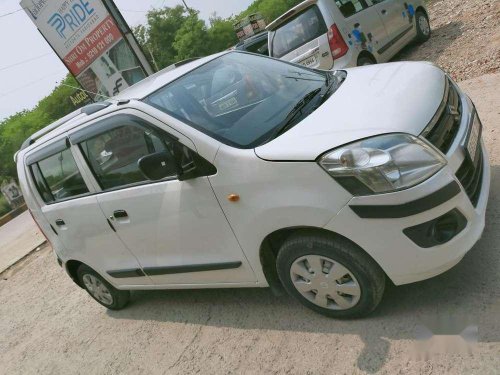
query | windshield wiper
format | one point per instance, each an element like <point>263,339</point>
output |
<point>332,83</point>
<point>288,121</point>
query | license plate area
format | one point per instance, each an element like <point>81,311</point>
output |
<point>472,145</point>
<point>310,61</point>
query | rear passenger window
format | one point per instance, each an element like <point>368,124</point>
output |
<point>57,177</point>
<point>299,30</point>
<point>350,7</point>
<point>113,155</point>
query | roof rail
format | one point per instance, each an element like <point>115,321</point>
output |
<point>179,63</point>
<point>87,110</point>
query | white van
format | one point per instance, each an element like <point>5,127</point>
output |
<point>326,34</point>
<point>240,170</point>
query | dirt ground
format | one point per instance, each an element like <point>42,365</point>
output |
<point>465,38</point>
<point>48,325</point>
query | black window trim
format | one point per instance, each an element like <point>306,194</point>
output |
<point>320,17</point>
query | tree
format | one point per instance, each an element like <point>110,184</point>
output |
<point>17,128</point>
<point>221,34</point>
<point>191,40</point>
<point>270,9</point>
<point>158,35</point>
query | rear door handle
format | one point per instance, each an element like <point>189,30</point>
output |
<point>383,11</point>
<point>60,222</point>
<point>120,214</point>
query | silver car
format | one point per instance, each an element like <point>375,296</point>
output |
<point>324,34</point>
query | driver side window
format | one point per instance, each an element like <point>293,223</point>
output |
<point>114,154</point>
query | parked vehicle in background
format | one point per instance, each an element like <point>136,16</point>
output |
<point>328,34</point>
<point>255,44</point>
<point>239,170</point>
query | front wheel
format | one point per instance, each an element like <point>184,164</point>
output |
<point>330,275</point>
<point>423,27</point>
<point>102,291</point>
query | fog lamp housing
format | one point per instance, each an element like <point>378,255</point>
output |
<point>437,231</point>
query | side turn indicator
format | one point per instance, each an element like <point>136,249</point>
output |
<point>233,197</point>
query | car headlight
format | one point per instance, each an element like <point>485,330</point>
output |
<point>382,164</point>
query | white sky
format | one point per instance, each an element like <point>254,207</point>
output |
<point>20,40</point>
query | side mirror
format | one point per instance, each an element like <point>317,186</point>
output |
<point>158,165</point>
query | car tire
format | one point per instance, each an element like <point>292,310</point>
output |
<point>366,60</point>
<point>423,26</point>
<point>354,294</point>
<point>100,290</point>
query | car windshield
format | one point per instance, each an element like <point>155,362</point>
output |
<point>241,99</point>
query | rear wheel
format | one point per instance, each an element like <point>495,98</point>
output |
<point>366,60</point>
<point>330,275</point>
<point>423,26</point>
<point>102,291</point>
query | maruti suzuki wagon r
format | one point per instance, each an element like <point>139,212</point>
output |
<point>326,34</point>
<point>240,170</point>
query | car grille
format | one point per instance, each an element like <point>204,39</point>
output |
<point>443,128</point>
<point>470,177</point>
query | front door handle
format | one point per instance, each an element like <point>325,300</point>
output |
<point>60,222</point>
<point>383,11</point>
<point>120,214</point>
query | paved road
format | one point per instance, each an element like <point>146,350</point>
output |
<point>50,326</point>
<point>17,238</point>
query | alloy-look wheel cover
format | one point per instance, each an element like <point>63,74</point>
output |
<point>97,289</point>
<point>325,282</point>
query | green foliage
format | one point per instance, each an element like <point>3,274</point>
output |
<point>270,9</point>
<point>221,34</point>
<point>16,128</point>
<point>158,35</point>
<point>191,38</point>
<point>4,206</point>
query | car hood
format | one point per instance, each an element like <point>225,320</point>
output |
<point>376,99</point>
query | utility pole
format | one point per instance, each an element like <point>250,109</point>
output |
<point>185,5</point>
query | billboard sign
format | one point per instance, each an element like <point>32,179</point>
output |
<point>12,193</point>
<point>89,41</point>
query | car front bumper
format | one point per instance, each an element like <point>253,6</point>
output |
<point>383,234</point>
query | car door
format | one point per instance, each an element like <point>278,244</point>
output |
<point>362,25</point>
<point>68,202</point>
<point>398,18</point>
<point>176,229</point>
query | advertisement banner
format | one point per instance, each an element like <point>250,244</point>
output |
<point>88,40</point>
<point>12,193</point>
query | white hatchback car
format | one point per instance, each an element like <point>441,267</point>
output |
<point>239,170</point>
<point>326,34</point>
